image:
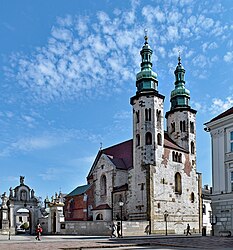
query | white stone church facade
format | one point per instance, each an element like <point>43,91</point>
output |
<point>154,174</point>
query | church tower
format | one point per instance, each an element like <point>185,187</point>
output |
<point>181,118</point>
<point>148,134</point>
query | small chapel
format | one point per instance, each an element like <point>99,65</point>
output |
<point>152,177</point>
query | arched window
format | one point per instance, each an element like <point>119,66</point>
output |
<point>158,113</point>
<point>192,147</point>
<point>137,140</point>
<point>148,138</point>
<point>173,127</point>
<point>99,217</point>
<point>159,139</point>
<point>148,114</point>
<point>103,185</point>
<point>182,126</point>
<point>192,197</point>
<point>173,155</point>
<point>137,116</point>
<point>176,157</point>
<point>192,127</point>
<point>178,183</point>
<point>180,157</point>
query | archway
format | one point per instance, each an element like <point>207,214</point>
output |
<point>23,221</point>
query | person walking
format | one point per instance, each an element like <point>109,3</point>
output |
<point>113,229</point>
<point>118,229</point>
<point>38,231</point>
<point>147,230</point>
<point>188,230</point>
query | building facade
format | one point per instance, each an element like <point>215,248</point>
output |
<point>20,208</point>
<point>152,177</point>
<point>221,132</point>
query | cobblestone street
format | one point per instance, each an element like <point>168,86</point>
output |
<point>82,242</point>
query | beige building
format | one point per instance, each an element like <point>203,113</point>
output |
<point>221,131</point>
<point>153,176</point>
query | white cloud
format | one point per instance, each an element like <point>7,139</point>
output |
<point>218,105</point>
<point>172,33</point>
<point>228,57</point>
<point>122,115</point>
<point>208,45</point>
<point>53,173</point>
<point>83,53</point>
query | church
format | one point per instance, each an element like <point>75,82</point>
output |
<point>151,178</point>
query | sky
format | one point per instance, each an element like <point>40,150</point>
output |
<point>67,72</point>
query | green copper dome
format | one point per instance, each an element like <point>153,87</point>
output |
<point>146,79</point>
<point>180,96</point>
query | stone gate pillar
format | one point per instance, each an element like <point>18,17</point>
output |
<point>4,214</point>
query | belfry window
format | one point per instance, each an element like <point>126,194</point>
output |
<point>137,140</point>
<point>148,114</point>
<point>173,127</point>
<point>148,138</point>
<point>103,185</point>
<point>158,113</point>
<point>178,183</point>
<point>182,126</point>
<point>192,147</point>
<point>159,139</point>
<point>192,127</point>
<point>137,116</point>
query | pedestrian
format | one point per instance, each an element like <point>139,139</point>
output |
<point>113,229</point>
<point>38,231</point>
<point>147,230</point>
<point>118,229</point>
<point>188,230</point>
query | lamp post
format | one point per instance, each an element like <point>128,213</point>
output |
<point>165,219</point>
<point>121,204</point>
<point>213,221</point>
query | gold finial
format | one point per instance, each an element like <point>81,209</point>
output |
<point>146,37</point>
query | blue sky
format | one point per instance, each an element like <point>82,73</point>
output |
<point>67,71</point>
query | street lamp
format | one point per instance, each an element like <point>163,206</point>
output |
<point>213,221</point>
<point>165,219</point>
<point>121,204</point>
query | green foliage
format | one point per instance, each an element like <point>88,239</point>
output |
<point>25,226</point>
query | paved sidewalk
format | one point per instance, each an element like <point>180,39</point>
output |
<point>69,242</point>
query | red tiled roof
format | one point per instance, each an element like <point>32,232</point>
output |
<point>225,113</point>
<point>102,207</point>
<point>169,143</point>
<point>121,154</point>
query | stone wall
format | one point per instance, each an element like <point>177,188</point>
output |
<point>222,208</point>
<point>101,228</point>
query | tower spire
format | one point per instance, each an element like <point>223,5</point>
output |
<point>146,79</point>
<point>180,96</point>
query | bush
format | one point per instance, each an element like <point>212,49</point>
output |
<point>25,226</point>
